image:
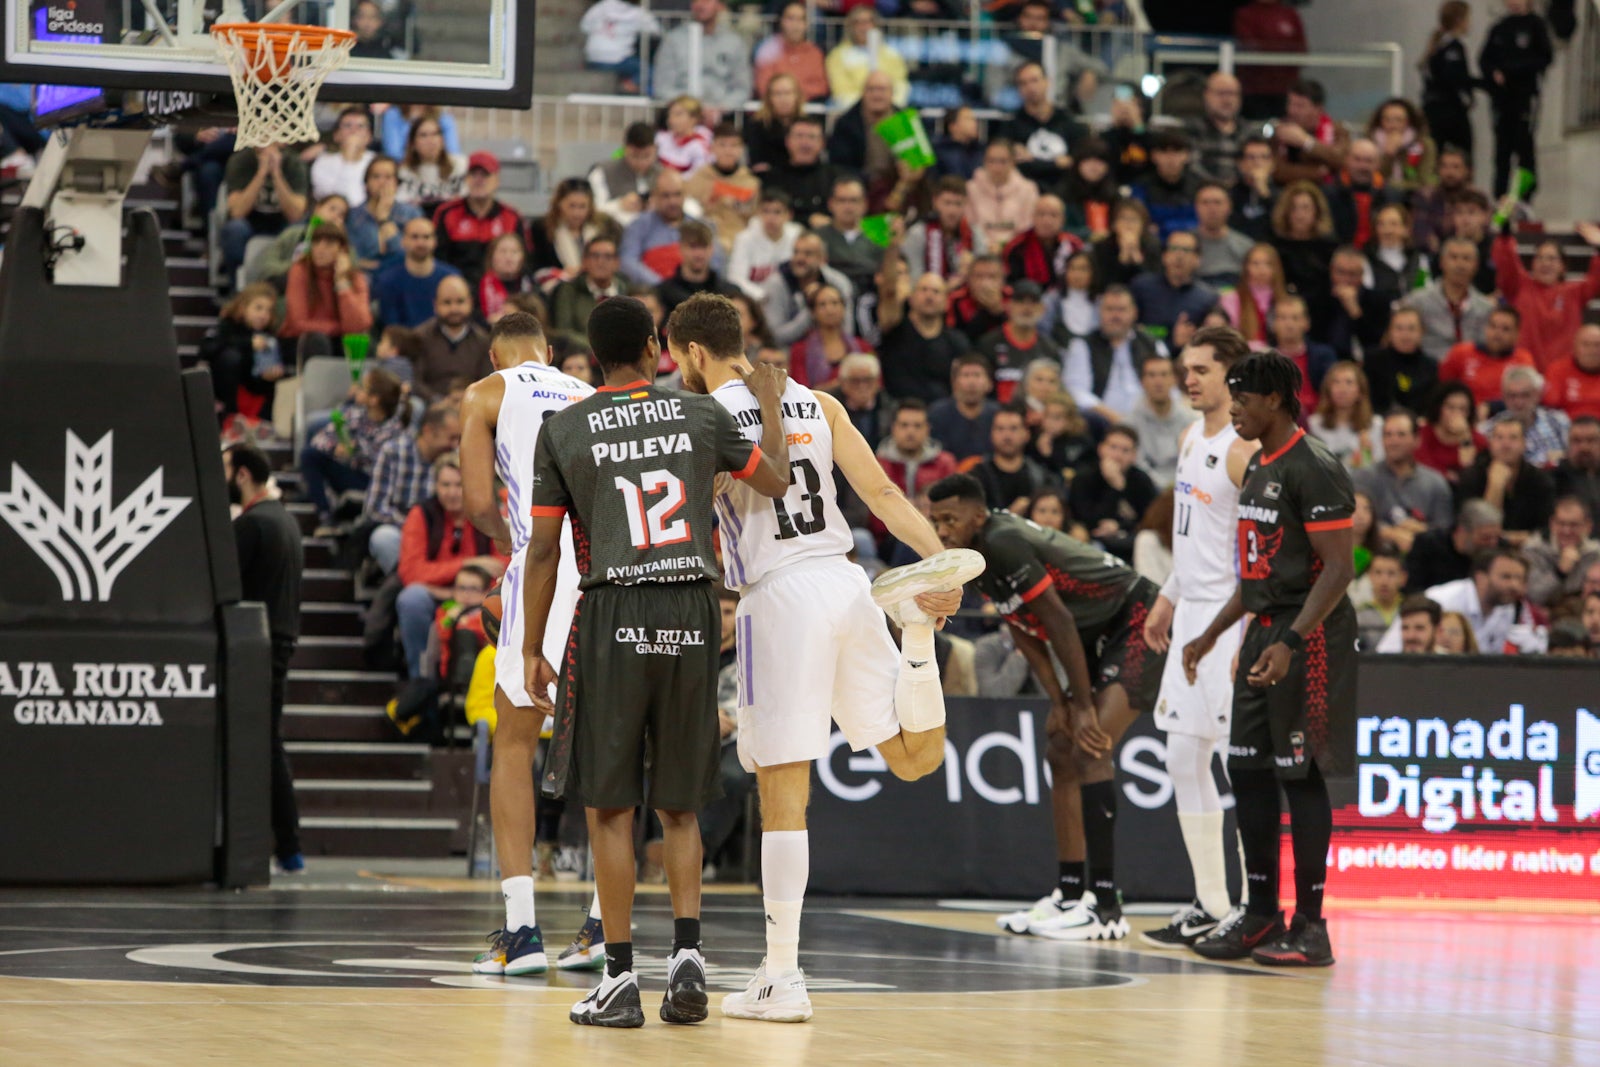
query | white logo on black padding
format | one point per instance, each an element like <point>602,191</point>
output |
<point>90,541</point>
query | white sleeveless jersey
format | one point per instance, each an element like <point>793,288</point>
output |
<point>1205,518</point>
<point>534,392</point>
<point>761,535</point>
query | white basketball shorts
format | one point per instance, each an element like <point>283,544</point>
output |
<point>813,647</point>
<point>1204,709</point>
<point>509,673</point>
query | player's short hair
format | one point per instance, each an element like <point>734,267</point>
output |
<point>694,234</point>
<point>1123,430</point>
<point>769,195</point>
<point>619,331</point>
<point>1486,559</point>
<point>1267,374</point>
<point>1475,197</point>
<point>516,326</point>
<point>1227,345</point>
<point>970,359</point>
<point>1572,501</point>
<point>639,135</point>
<point>1019,410</point>
<point>950,183</point>
<point>249,458</point>
<point>1510,312</point>
<point>710,321</point>
<point>963,487</point>
<point>478,572</point>
<point>1310,89</point>
<point>1253,139</point>
<point>726,129</point>
<point>600,239</point>
<point>1417,604</point>
<point>808,120</point>
<point>1388,551</point>
<point>1586,420</point>
<point>1403,413</point>
<point>1203,186</point>
<point>1169,141</point>
<point>916,403</point>
<point>437,416</point>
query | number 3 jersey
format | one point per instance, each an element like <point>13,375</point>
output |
<point>635,467</point>
<point>1297,491</point>
<point>761,535</point>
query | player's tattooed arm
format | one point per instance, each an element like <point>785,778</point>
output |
<point>478,411</point>
<point>1196,650</point>
<point>766,383</point>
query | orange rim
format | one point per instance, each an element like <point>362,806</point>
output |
<point>257,39</point>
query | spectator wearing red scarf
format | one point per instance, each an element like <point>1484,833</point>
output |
<point>1040,255</point>
<point>1357,195</point>
<point>944,242</point>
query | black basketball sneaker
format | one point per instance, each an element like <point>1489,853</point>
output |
<point>686,1000</point>
<point>614,1002</point>
<point>1238,935</point>
<point>1187,926</point>
<point>1304,945</point>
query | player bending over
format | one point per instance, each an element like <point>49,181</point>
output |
<point>1196,716</point>
<point>811,642</point>
<point>1087,607</point>
<point>501,417</point>
<point>1297,665</point>
<point>634,465</point>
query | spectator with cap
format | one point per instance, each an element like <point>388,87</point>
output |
<point>725,75</point>
<point>944,242</point>
<point>1011,347</point>
<point>1439,556</point>
<point>1000,200</point>
<point>1218,134</point>
<point>1222,248</point>
<point>1547,428</point>
<point>1503,476</point>
<point>1159,417</point>
<point>764,244</point>
<point>1311,146</point>
<point>1573,383</point>
<point>1173,300</point>
<point>806,179</point>
<point>1168,190</point>
<point>1452,311</point>
<point>1408,499</point>
<point>622,185</point>
<point>344,170</point>
<point>1559,556</point>
<point>791,51</point>
<point>452,345</point>
<point>468,225</point>
<point>650,245</point>
<point>401,480</point>
<point>405,291</point>
<point>1579,473</point>
<point>961,421</point>
<point>1040,253</point>
<point>576,297</point>
<point>786,294</point>
<point>725,188</point>
<point>1482,364</point>
<point>695,273</point>
<point>1044,135</point>
<point>850,252</point>
<point>1102,370</point>
<point>861,53</point>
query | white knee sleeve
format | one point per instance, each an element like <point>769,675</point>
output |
<point>1189,766</point>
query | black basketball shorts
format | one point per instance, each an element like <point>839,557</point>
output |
<point>1118,653</point>
<point>1285,727</point>
<point>637,699</point>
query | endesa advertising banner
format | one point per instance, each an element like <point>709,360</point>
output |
<point>1473,779</point>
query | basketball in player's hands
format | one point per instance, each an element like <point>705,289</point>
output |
<point>491,616</point>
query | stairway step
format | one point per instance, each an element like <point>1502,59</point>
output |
<point>327,619</point>
<point>319,551</point>
<point>325,583</point>
<point>305,514</point>
<point>341,687</point>
<point>193,300</point>
<point>337,722</point>
<point>331,652</point>
<point>363,797</point>
<point>363,836</point>
<point>358,759</point>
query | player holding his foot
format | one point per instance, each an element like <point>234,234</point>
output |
<point>1297,665</point>
<point>1087,607</point>
<point>501,417</point>
<point>812,645</point>
<point>1211,464</point>
<point>634,465</point>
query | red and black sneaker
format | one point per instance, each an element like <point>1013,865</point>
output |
<point>1239,934</point>
<point>1304,945</point>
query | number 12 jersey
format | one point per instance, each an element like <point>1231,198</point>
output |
<point>761,535</point>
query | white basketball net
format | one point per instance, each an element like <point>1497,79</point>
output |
<point>276,89</point>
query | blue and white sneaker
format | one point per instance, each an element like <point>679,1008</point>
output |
<point>513,954</point>
<point>587,951</point>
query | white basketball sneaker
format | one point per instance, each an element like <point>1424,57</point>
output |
<point>773,998</point>
<point>897,589</point>
<point>1017,922</point>
<point>1087,920</point>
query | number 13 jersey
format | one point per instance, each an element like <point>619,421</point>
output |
<point>761,535</point>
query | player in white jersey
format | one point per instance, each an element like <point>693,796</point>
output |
<point>1211,465</point>
<point>812,644</point>
<point>501,418</point>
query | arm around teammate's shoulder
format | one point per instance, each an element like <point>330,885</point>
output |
<point>766,467</point>
<point>853,456</point>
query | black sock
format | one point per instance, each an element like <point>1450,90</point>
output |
<point>619,957</point>
<point>1311,826</point>
<point>685,933</point>
<point>1099,834</point>
<point>1255,794</point>
<point>1070,879</point>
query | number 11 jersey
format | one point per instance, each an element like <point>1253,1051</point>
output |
<point>761,535</point>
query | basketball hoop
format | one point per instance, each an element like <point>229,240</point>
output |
<point>277,69</point>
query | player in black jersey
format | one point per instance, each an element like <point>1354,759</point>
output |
<point>1088,607</point>
<point>1297,665</point>
<point>635,465</point>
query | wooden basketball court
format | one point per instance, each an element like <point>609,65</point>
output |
<point>357,967</point>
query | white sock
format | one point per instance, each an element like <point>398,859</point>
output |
<point>594,908</point>
<point>518,893</point>
<point>785,869</point>
<point>918,692</point>
<point>1202,837</point>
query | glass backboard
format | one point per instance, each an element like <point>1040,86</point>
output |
<point>448,52</point>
